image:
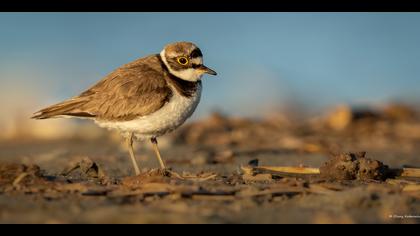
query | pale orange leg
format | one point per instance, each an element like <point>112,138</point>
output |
<point>129,141</point>
<point>156,149</point>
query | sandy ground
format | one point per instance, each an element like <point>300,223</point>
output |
<point>206,183</point>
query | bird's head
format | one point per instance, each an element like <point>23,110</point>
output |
<point>185,61</point>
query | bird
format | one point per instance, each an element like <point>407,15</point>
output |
<point>143,99</point>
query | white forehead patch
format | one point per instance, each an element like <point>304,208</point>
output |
<point>197,60</point>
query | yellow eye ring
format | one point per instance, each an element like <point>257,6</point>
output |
<point>182,60</point>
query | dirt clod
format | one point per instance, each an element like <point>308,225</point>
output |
<point>351,166</point>
<point>152,176</point>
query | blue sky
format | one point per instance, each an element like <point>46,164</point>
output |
<point>263,59</point>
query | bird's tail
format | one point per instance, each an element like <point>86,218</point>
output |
<point>69,107</point>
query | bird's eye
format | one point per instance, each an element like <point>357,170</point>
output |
<point>182,60</point>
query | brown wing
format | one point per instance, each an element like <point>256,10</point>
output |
<point>136,89</point>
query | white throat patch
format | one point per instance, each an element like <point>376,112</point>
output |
<point>189,74</point>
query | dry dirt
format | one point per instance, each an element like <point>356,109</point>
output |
<point>79,181</point>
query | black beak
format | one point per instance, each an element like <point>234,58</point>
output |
<point>207,70</point>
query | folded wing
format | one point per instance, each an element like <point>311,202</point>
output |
<point>134,90</point>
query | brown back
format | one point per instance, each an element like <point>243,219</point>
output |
<point>135,89</point>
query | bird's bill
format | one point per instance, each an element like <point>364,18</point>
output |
<point>207,70</point>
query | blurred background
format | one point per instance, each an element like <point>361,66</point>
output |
<point>266,62</point>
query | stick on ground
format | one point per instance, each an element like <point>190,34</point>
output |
<point>404,172</point>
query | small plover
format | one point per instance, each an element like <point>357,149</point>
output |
<point>144,99</point>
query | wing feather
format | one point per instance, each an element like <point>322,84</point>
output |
<point>136,89</point>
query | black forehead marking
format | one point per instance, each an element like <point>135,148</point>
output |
<point>196,53</point>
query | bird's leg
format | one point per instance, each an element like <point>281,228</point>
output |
<point>155,147</point>
<point>129,141</point>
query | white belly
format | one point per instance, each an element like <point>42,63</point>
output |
<point>169,117</point>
